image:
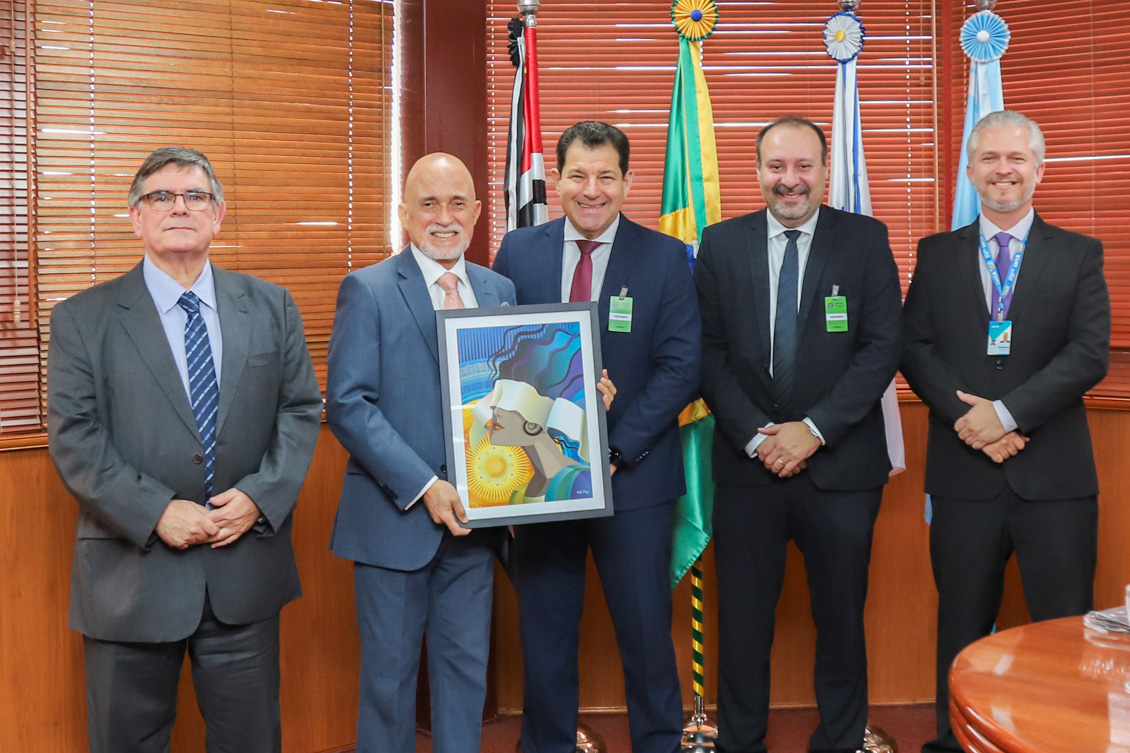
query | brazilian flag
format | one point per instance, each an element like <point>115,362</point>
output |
<point>690,203</point>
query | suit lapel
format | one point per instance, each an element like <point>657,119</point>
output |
<point>1036,256</point>
<point>758,255</point>
<point>621,261</point>
<point>416,296</point>
<point>969,264</point>
<point>235,324</point>
<point>818,254</point>
<point>486,294</point>
<point>142,323</point>
<point>550,284</point>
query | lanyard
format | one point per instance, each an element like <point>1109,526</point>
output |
<point>995,275</point>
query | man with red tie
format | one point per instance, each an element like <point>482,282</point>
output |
<point>650,334</point>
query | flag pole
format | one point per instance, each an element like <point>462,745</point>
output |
<point>850,191</point>
<point>691,202</point>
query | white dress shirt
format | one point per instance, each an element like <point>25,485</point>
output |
<point>776,258</point>
<point>1019,233</point>
<point>166,292</point>
<point>432,271</point>
<point>572,256</point>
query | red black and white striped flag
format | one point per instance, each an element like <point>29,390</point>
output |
<point>525,166</point>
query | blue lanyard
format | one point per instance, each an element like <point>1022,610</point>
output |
<point>995,275</point>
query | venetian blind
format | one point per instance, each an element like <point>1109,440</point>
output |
<point>19,365</point>
<point>616,62</point>
<point>290,100</point>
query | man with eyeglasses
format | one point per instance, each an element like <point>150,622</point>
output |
<point>182,414</point>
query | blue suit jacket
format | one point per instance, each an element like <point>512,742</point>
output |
<point>383,404</point>
<point>655,367</point>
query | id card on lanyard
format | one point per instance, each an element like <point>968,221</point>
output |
<point>1000,329</point>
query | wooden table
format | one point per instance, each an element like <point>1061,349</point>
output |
<point>1048,687</point>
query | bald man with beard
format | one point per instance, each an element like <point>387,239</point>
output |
<point>416,570</point>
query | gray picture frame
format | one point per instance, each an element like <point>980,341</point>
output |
<point>527,375</point>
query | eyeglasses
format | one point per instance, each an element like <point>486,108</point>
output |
<point>164,201</point>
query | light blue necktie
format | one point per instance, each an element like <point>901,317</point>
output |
<point>202,387</point>
<point>784,328</point>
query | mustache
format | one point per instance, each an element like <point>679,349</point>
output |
<point>780,190</point>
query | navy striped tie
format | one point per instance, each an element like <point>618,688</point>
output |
<point>784,328</point>
<point>202,387</point>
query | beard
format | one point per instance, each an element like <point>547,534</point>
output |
<point>428,249</point>
<point>792,213</point>
<point>1008,206</point>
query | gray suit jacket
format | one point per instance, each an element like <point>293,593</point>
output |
<point>125,443</point>
<point>383,404</point>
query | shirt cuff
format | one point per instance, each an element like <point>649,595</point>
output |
<point>751,448</point>
<point>423,491</point>
<point>812,427</point>
<point>1006,419</point>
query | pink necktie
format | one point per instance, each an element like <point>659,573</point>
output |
<point>450,284</point>
<point>582,275</point>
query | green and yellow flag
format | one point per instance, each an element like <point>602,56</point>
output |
<point>690,203</point>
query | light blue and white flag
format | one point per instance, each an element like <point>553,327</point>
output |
<point>850,191</point>
<point>984,39</point>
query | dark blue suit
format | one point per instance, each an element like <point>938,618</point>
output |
<point>655,368</point>
<point>383,404</point>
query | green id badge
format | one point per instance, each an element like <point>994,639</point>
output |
<point>835,313</point>
<point>620,314</point>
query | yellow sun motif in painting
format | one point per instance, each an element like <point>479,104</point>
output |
<point>495,472</point>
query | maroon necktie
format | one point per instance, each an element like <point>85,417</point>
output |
<point>582,275</point>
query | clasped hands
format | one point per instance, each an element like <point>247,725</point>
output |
<point>786,448</point>
<point>981,429</point>
<point>185,523</point>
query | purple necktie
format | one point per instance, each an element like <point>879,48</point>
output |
<point>582,275</point>
<point>1004,260</point>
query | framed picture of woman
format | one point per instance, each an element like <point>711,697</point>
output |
<point>525,427</point>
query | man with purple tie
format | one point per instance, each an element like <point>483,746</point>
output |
<point>1006,326</point>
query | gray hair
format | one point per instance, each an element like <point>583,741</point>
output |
<point>181,157</point>
<point>1008,118</point>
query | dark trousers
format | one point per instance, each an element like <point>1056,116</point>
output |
<point>971,541</point>
<point>833,530</point>
<point>632,551</point>
<point>131,689</point>
<point>449,600</point>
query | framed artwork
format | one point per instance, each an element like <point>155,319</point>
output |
<point>525,426</point>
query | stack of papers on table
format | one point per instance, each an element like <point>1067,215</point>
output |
<point>1112,620</point>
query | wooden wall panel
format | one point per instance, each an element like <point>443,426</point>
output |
<point>43,708</point>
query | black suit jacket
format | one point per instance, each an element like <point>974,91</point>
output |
<point>1060,349</point>
<point>840,376</point>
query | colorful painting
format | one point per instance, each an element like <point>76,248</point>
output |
<point>526,422</point>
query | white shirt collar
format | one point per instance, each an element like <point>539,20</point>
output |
<point>166,291</point>
<point>432,269</point>
<point>776,228</point>
<point>608,236</point>
<point>1019,231</point>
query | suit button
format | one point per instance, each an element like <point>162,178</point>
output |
<point>197,459</point>
<point>443,468</point>
<point>999,364</point>
<point>775,406</point>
